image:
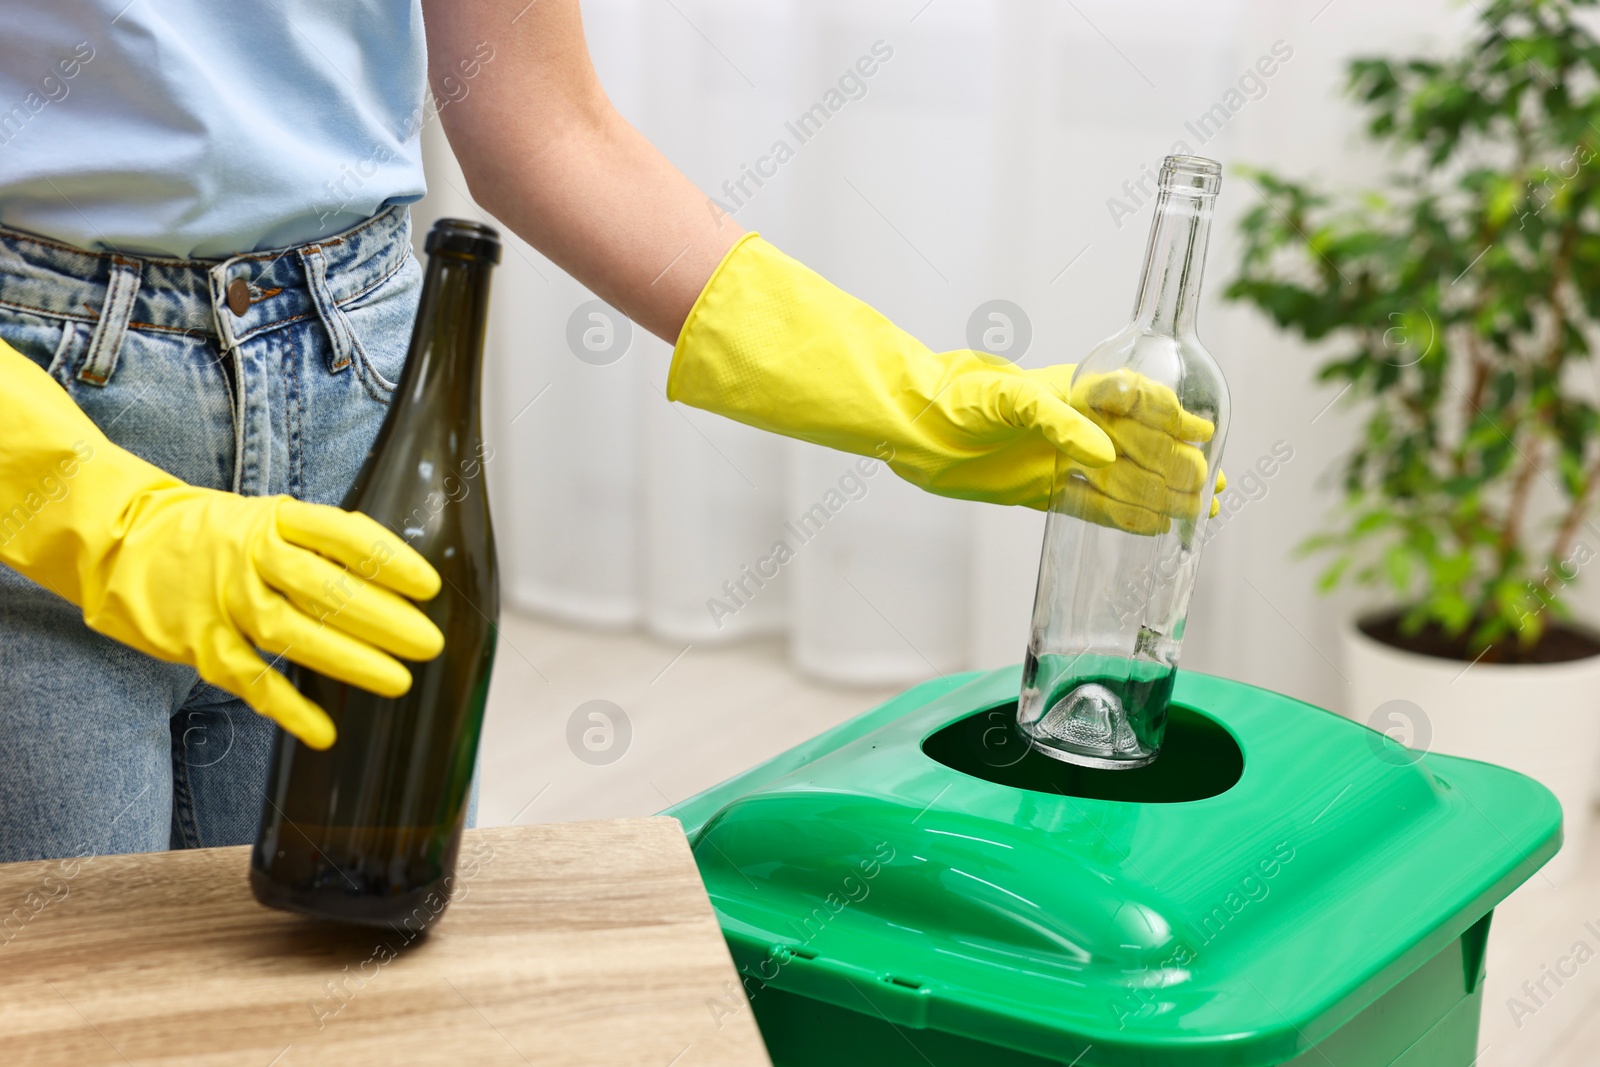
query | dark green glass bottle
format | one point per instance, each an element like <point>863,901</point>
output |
<point>368,830</point>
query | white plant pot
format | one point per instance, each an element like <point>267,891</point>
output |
<point>1540,719</point>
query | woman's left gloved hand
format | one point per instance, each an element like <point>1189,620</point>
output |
<point>199,576</point>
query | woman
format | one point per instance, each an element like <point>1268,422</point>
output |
<point>206,291</point>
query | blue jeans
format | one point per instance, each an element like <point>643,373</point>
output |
<point>264,373</point>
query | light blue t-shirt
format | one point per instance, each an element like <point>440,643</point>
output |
<point>205,128</point>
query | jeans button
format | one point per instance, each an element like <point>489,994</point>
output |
<point>239,296</point>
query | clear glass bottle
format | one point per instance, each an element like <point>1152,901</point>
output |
<point>1108,615</point>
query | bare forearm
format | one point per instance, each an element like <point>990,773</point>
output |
<point>544,151</point>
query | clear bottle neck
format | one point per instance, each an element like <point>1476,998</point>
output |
<point>1174,260</point>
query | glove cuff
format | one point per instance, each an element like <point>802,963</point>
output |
<point>65,486</point>
<point>688,380</point>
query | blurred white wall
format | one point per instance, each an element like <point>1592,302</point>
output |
<point>978,163</point>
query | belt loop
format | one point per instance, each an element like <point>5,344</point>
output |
<point>217,276</point>
<point>340,335</point>
<point>105,344</point>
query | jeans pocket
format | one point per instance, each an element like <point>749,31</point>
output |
<point>381,319</point>
<point>55,344</point>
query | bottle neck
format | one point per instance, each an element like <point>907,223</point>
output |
<point>446,355</point>
<point>1169,287</point>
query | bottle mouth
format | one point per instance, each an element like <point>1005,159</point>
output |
<point>1192,175</point>
<point>462,237</point>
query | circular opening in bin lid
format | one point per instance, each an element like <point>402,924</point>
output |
<point>1199,759</point>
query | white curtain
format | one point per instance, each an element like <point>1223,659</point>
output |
<point>984,158</point>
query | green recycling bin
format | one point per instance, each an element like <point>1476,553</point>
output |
<point>1281,886</point>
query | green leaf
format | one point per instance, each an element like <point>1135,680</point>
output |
<point>1397,566</point>
<point>1329,579</point>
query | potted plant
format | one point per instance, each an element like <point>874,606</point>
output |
<point>1461,299</point>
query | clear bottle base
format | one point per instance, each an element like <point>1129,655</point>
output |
<point>1058,750</point>
<point>1101,721</point>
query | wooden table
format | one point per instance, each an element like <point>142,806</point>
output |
<point>567,943</point>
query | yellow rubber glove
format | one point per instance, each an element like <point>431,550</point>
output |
<point>1158,474</point>
<point>198,576</point>
<point>772,344</point>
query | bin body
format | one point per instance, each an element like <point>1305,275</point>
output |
<point>1282,886</point>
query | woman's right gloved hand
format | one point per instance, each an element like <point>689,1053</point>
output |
<point>771,343</point>
<point>199,576</point>
<point>774,345</point>
<point>1158,475</point>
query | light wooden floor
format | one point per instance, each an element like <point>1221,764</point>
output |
<point>700,715</point>
<point>697,717</point>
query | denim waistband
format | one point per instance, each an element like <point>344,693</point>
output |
<point>231,299</point>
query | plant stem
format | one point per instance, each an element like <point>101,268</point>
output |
<point>1575,514</point>
<point>1511,532</point>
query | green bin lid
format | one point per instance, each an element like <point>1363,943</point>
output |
<point>887,867</point>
